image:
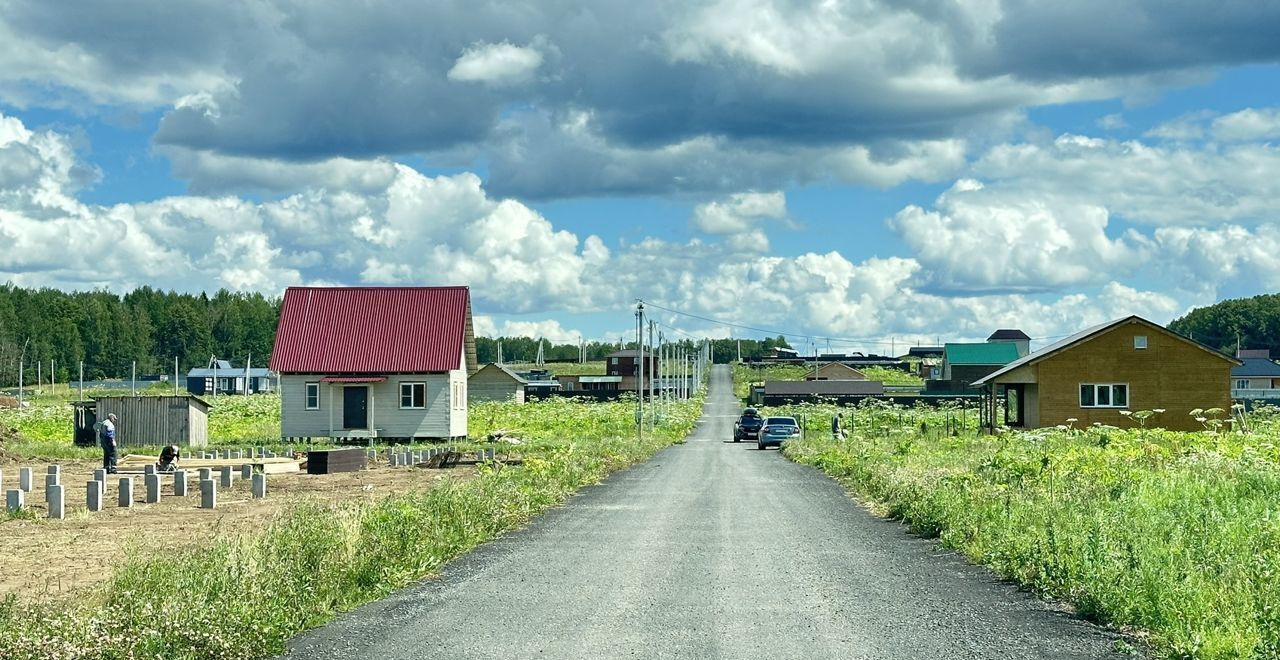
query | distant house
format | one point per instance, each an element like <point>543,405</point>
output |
<point>494,382</point>
<point>1012,336</point>
<point>835,371</point>
<point>964,363</point>
<point>374,362</point>
<point>1257,378</point>
<point>783,392</point>
<point>1126,364</point>
<point>230,380</point>
<point>627,363</point>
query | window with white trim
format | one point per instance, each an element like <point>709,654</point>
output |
<point>1242,384</point>
<point>1104,395</point>
<point>313,396</point>
<point>413,396</point>
<point>1139,342</point>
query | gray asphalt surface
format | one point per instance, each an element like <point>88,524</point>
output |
<point>710,550</point>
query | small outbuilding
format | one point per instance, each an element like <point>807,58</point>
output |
<point>843,392</point>
<point>145,420</point>
<point>1128,364</point>
<point>495,382</point>
<point>835,371</point>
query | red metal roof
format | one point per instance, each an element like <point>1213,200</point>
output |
<point>354,330</point>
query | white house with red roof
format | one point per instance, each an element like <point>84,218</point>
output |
<point>374,362</point>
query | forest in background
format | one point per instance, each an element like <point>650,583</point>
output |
<point>1247,322</point>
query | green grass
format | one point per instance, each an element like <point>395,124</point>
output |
<point>1177,534</point>
<point>245,598</point>
<point>745,374</point>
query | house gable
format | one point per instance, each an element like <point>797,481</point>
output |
<point>836,371</point>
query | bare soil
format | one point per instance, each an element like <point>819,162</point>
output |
<point>40,557</point>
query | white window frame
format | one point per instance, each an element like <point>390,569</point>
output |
<point>1111,398</point>
<point>413,385</point>
<point>1140,342</point>
<point>1242,383</point>
<point>307,390</point>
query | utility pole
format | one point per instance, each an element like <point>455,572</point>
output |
<point>652,410</point>
<point>82,380</point>
<point>640,369</point>
<point>133,379</point>
<point>22,360</point>
<point>175,375</point>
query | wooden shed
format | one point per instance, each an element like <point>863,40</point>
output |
<point>147,420</point>
<point>494,382</point>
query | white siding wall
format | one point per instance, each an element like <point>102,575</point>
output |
<point>493,385</point>
<point>437,420</point>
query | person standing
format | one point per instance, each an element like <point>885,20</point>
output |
<point>836,432</point>
<point>107,436</point>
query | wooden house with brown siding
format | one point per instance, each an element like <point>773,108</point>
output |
<point>835,371</point>
<point>1128,364</point>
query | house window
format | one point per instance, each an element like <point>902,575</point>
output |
<point>1242,384</point>
<point>413,396</point>
<point>614,360</point>
<point>1139,342</point>
<point>313,396</point>
<point>208,384</point>
<point>1104,395</point>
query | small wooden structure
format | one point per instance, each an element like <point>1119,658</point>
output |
<point>329,461</point>
<point>495,382</point>
<point>146,420</point>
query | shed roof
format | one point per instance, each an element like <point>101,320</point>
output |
<point>1008,334</point>
<point>631,353</point>
<point>372,329</point>
<point>1084,335</point>
<point>1256,367</point>
<point>980,353</point>
<point>494,366</point>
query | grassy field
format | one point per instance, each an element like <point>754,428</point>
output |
<point>318,560</point>
<point>745,374</point>
<point>1175,534</point>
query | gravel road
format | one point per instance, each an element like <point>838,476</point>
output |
<point>710,550</point>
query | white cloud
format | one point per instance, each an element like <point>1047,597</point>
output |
<point>1248,124</point>
<point>549,329</point>
<point>1112,122</point>
<point>496,64</point>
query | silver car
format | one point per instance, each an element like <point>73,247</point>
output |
<point>777,430</point>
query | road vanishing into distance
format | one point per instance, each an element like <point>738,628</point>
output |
<point>710,550</point>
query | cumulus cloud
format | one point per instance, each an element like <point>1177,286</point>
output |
<point>496,64</point>
<point>711,97</point>
<point>1248,124</point>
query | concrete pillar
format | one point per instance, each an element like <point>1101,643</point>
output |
<point>24,479</point>
<point>260,485</point>
<point>253,452</point>
<point>228,477</point>
<point>15,499</point>
<point>208,494</point>
<point>373,455</point>
<point>126,492</point>
<point>288,452</point>
<point>246,471</point>
<point>93,495</point>
<point>395,460</point>
<point>153,488</point>
<point>100,474</point>
<point>180,483</point>
<point>268,453</point>
<point>205,473</point>
<point>51,480</point>
<point>226,454</point>
<point>149,469</point>
<point>56,469</point>
<point>57,502</point>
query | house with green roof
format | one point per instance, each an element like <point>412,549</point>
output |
<point>964,363</point>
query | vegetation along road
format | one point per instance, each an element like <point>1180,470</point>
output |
<point>710,550</point>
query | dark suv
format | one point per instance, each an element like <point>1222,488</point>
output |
<point>748,426</point>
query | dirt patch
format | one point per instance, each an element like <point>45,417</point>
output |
<point>53,557</point>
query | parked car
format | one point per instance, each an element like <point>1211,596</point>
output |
<point>747,427</point>
<point>777,430</point>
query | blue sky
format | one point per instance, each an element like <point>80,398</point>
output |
<point>865,172</point>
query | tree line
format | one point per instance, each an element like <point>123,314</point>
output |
<point>110,333</point>
<point>150,327</point>
<point>1246,322</point>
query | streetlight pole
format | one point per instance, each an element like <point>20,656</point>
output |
<point>22,359</point>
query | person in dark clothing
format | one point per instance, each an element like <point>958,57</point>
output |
<point>168,459</point>
<point>836,432</point>
<point>107,436</point>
